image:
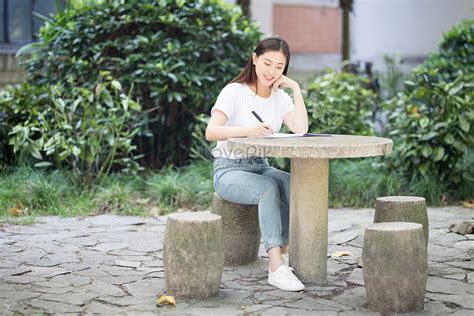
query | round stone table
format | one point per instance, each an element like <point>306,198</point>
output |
<point>309,188</point>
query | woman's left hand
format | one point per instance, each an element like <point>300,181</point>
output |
<point>284,82</point>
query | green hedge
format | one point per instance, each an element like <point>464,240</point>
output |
<point>65,125</point>
<point>340,103</point>
<point>432,119</point>
<point>176,54</point>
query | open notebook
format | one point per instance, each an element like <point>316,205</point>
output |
<point>284,135</point>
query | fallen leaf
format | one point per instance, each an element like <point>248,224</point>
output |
<point>19,209</point>
<point>143,201</point>
<point>468,204</point>
<point>166,300</point>
<point>16,211</point>
<point>155,211</point>
<point>341,253</point>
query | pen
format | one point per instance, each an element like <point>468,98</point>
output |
<point>257,116</point>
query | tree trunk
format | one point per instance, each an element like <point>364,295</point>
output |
<point>346,6</point>
<point>245,5</point>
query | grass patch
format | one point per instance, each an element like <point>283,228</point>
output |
<point>358,182</point>
<point>121,195</point>
<point>352,183</point>
<point>26,193</point>
<point>23,220</point>
<point>188,187</point>
<point>429,187</point>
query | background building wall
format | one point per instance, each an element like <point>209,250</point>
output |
<point>9,71</point>
<point>18,27</point>
<point>410,28</point>
<point>323,36</point>
<point>308,29</point>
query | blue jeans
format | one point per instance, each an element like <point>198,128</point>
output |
<point>252,181</point>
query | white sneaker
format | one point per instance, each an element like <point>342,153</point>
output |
<point>284,279</point>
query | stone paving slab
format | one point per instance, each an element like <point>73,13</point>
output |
<point>113,265</point>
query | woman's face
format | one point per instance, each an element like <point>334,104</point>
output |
<point>269,67</point>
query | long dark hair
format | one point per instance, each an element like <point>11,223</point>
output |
<point>248,74</point>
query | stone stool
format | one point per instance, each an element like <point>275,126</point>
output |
<point>193,254</point>
<point>395,266</point>
<point>402,209</point>
<point>241,231</point>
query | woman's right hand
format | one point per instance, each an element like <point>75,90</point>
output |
<point>217,131</point>
<point>261,129</point>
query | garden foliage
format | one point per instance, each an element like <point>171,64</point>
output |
<point>16,104</point>
<point>177,54</point>
<point>432,119</point>
<point>66,125</point>
<point>340,103</point>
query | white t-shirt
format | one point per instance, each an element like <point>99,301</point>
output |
<point>237,101</point>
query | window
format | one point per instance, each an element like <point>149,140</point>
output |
<point>18,24</point>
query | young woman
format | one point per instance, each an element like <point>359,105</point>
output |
<point>242,178</point>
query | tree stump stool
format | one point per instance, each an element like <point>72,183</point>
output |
<point>395,266</point>
<point>402,209</point>
<point>241,231</point>
<point>193,254</point>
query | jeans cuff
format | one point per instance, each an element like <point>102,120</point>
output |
<point>274,243</point>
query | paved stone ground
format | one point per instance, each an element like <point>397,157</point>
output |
<point>113,265</point>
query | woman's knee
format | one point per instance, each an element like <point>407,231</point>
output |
<point>269,187</point>
<point>283,179</point>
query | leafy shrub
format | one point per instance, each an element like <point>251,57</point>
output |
<point>88,131</point>
<point>340,103</point>
<point>391,81</point>
<point>177,54</point>
<point>16,105</point>
<point>432,120</point>
<point>337,103</point>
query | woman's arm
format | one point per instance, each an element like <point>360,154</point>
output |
<point>296,121</point>
<point>217,131</point>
